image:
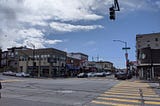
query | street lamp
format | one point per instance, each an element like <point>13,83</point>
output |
<point>31,44</point>
<point>126,53</point>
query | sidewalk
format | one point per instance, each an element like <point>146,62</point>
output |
<point>154,85</point>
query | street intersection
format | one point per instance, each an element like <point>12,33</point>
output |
<point>106,91</point>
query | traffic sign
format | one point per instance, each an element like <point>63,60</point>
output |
<point>125,48</point>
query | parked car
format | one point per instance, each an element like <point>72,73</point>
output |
<point>108,73</point>
<point>9,73</point>
<point>117,73</point>
<point>122,76</point>
<point>100,74</point>
<point>91,74</point>
<point>82,75</point>
<point>22,74</point>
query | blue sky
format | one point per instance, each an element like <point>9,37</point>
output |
<point>78,25</point>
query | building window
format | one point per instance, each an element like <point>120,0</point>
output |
<point>148,45</point>
<point>156,39</point>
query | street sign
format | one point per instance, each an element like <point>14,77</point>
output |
<point>125,48</point>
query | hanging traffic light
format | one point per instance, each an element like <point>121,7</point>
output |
<point>112,13</point>
<point>113,9</point>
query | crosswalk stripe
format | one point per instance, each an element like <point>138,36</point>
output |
<point>119,100</point>
<point>128,94</point>
<point>131,91</point>
<point>135,92</point>
<point>152,102</point>
<point>121,96</point>
<point>131,97</point>
<point>111,103</point>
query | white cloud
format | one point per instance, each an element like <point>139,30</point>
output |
<point>132,5</point>
<point>23,20</point>
<point>70,10</point>
<point>18,37</point>
<point>63,27</point>
<point>53,41</point>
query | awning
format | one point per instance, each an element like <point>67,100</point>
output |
<point>71,67</point>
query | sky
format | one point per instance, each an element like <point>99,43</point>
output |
<point>78,26</point>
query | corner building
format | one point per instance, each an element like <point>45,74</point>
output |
<point>148,55</point>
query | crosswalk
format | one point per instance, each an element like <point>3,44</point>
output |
<point>128,93</point>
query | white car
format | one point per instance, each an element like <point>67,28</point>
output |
<point>10,73</point>
<point>22,74</point>
<point>91,74</point>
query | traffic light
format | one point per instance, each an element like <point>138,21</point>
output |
<point>112,13</point>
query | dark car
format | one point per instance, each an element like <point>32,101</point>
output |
<point>122,76</point>
<point>117,73</point>
<point>82,75</point>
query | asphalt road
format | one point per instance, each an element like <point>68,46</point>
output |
<point>52,92</point>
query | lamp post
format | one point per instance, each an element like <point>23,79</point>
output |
<point>33,53</point>
<point>126,53</point>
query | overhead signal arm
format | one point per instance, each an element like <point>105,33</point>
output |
<point>116,5</point>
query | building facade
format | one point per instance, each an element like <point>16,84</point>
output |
<point>9,59</point>
<point>104,66</point>
<point>48,62</point>
<point>148,55</point>
<point>80,56</point>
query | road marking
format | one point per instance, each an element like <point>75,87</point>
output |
<point>119,100</point>
<point>11,80</point>
<point>121,96</point>
<point>130,97</point>
<point>131,91</point>
<point>126,93</point>
<point>111,103</point>
<point>152,102</point>
<point>135,92</point>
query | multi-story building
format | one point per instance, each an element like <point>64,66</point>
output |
<point>9,58</point>
<point>148,55</point>
<point>48,62</point>
<point>81,56</point>
<point>104,66</point>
